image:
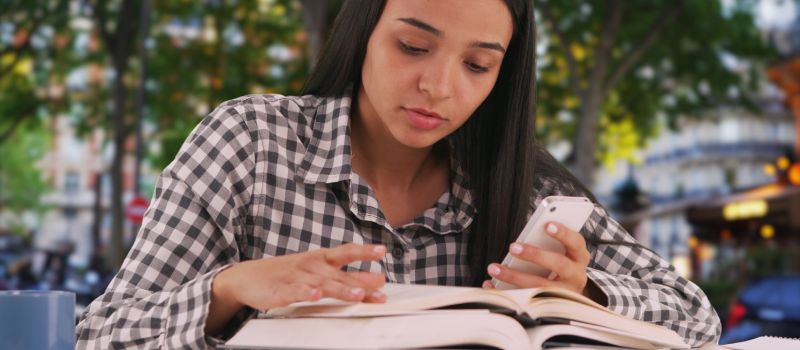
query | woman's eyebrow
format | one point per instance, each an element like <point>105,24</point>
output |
<point>485,45</point>
<point>431,29</point>
<point>421,25</point>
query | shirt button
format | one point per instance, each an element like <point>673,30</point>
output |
<point>398,252</point>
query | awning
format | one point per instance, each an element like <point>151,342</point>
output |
<point>776,204</point>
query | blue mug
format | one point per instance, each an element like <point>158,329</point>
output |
<point>34,320</point>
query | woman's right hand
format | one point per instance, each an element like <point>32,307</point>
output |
<point>273,282</point>
<point>267,283</point>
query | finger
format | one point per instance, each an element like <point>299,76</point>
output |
<point>338,290</point>
<point>323,271</point>
<point>290,293</point>
<point>372,282</point>
<point>556,262</point>
<point>517,278</point>
<point>375,296</point>
<point>369,280</point>
<point>487,284</point>
<point>352,252</point>
<point>573,241</point>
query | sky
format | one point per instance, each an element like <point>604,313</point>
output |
<point>774,14</point>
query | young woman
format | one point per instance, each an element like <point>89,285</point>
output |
<point>410,159</point>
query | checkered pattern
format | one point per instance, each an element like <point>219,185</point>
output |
<point>268,175</point>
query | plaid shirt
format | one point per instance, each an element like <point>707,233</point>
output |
<point>268,175</point>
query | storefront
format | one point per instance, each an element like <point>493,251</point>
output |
<point>752,233</point>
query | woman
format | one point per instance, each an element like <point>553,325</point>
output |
<point>410,159</point>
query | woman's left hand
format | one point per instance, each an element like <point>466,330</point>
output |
<point>569,267</point>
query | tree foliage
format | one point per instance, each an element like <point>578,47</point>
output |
<point>27,38</point>
<point>80,59</point>
<point>204,53</point>
<point>21,181</point>
<point>28,43</point>
<point>611,71</point>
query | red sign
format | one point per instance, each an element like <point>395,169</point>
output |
<point>135,209</point>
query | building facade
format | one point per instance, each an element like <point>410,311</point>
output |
<point>722,151</point>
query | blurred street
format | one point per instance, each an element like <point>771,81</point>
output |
<point>690,137</point>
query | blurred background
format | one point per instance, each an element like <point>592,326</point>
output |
<point>681,115</point>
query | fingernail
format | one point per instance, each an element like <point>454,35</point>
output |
<point>515,248</point>
<point>377,295</point>
<point>493,270</point>
<point>487,284</point>
<point>311,293</point>
<point>380,249</point>
<point>552,229</point>
<point>356,292</point>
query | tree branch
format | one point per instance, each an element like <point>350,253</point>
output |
<point>18,50</point>
<point>8,132</point>
<point>658,27</point>
<point>574,82</point>
<point>603,50</point>
<point>101,20</point>
<point>7,6</point>
<point>17,58</point>
<point>127,28</point>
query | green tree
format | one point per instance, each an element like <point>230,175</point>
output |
<point>27,31</point>
<point>610,68</point>
<point>28,55</point>
<point>204,53</point>
<point>21,182</point>
<point>198,54</point>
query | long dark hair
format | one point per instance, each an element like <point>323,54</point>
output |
<point>495,147</point>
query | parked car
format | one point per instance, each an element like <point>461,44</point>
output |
<point>770,306</point>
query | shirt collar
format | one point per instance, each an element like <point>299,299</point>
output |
<point>328,160</point>
<point>328,154</point>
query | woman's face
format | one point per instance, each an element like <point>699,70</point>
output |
<point>430,64</point>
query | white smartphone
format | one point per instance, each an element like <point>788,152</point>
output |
<point>572,212</point>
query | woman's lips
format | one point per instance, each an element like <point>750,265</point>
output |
<point>421,119</point>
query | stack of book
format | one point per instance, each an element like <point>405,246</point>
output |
<point>420,316</point>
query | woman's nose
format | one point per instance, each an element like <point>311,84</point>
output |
<point>437,80</point>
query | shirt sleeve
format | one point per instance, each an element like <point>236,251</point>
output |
<point>161,295</point>
<point>640,284</point>
<point>636,281</point>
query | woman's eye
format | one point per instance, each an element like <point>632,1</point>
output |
<point>477,68</point>
<point>412,49</point>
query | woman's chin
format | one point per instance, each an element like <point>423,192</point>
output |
<point>419,141</point>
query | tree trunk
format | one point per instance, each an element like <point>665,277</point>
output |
<point>592,98</point>
<point>119,44</point>
<point>118,251</point>
<point>602,79</point>
<point>315,23</point>
<point>97,223</point>
<point>586,139</point>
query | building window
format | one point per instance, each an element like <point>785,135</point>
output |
<point>72,182</point>
<point>730,178</point>
<point>729,131</point>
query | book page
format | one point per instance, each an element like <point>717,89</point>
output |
<point>541,334</point>
<point>407,299</point>
<point>771,343</point>
<point>592,318</point>
<point>432,329</point>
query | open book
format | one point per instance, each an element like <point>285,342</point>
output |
<point>417,316</point>
<point>766,342</point>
